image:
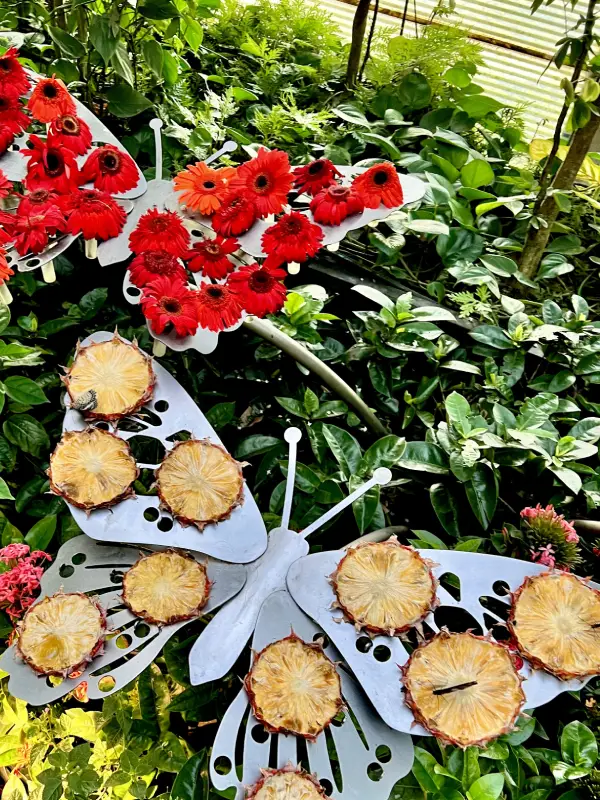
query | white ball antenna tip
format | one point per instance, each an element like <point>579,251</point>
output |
<point>382,475</point>
<point>229,147</point>
<point>293,435</point>
<point>156,124</point>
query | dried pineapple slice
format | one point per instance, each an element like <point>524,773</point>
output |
<point>384,587</point>
<point>62,633</point>
<point>294,688</point>
<point>289,783</point>
<point>166,587</point>
<point>555,619</point>
<point>113,378</point>
<point>92,468</point>
<point>199,483</point>
<point>464,689</point>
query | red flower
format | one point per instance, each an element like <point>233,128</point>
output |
<point>7,137</point>
<point>315,176</point>
<point>5,270</point>
<point>38,202</point>
<point>260,290</point>
<point>50,99</point>
<point>94,214</point>
<point>331,206</point>
<point>266,180</point>
<point>50,167</point>
<point>31,232</point>
<point>379,184</point>
<point>112,170</point>
<point>7,224</point>
<point>5,185</point>
<point>210,257</point>
<point>292,238</point>
<point>167,302</point>
<point>202,188</point>
<point>71,132</point>
<point>13,78</point>
<point>160,230</point>
<point>12,114</point>
<point>152,264</point>
<point>236,215</point>
<point>218,307</point>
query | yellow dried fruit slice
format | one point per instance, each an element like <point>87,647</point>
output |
<point>463,688</point>
<point>294,688</point>
<point>167,587</point>
<point>92,468</point>
<point>555,619</point>
<point>199,483</point>
<point>289,783</point>
<point>384,587</point>
<point>109,380</point>
<point>61,634</point>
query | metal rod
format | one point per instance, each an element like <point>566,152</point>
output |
<point>228,147</point>
<point>456,688</point>
<point>292,437</point>
<point>156,125</point>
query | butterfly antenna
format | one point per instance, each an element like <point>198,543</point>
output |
<point>292,437</point>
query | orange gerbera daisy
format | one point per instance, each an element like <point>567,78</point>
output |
<point>202,188</point>
<point>50,99</point>
<point>379,184</point>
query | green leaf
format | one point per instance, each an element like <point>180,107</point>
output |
<point>424,457</point>
<point>459,246</point>
<point>221,415</point>
<point>189,783</point>
<point>414,91</point>
<point>153,56</point>
<point>458,409</point>
<point>80,723</point>
<point>365,507</point>
<point>424,771</point>
<point>193,32</point>
<point>588,430</point>
<point>5,493</point>
<point>40,536</point>
<point>476,173</point>
<point>311,402</point>
<point>488,787</point>
<point>447,508</point>
<point>123,101</point>
<point>4,320</point>
<point>102,36</point>
<point>385,452</point>
<point>23,390</point>
<point>256,445</point>
<point>345,449</point>
<point>500,265</point>
<point>158,9</point>
<point>493,336</point>
<point>578,745</point>
<point>68,44</point>
<point>456,76</point>
<point>292,406</point>
<point>26,433</point>
<point>170,67</point>
<point>482,493</point>
<point>351,113</point>
<point>477,105</point>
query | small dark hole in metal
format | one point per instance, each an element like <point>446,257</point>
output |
<point>223,765</point>
<point>164,524</point>
<point>196,232</point>
<point>327,787</point>
<point>161,406</point>
<point>124,641</point>
<point>53,680</point>
<point>383,753</point>
<point>141,630</point>
<point>451,583</point>
<point>106,683</point>
<point>322,639</point>
<point>375,771</point>
<point>501,588</point>
<point>66,570</point>
<point>364,644</point>
<point>33,262</point>
<point>133,291</point>
<point>382,653</point>
<point>259,734</point>
<point>151,514</point>
<point>78,558</point>
<point>457,620</point>
<point>116,576</point>
<point>104,426</point>
<point>16,148</point>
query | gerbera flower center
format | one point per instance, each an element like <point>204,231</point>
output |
<point>316,168</point>
<point>216,294</point>
<point>292,227</point>
<point>70,125</point>
<point>209,185</point>
<point>213,249</point>
<point>171,305</point>
<point>262,183</point>
<point>159,262</point>
<point>54,163</point>
<point>4,104</point>
<point>110,162</point>
<point>339,193</point>
<point>159,225</point>
<point>380,178</point>
<point>4,65</point>
<point>39,196</point>
<point>50,91</point>
<point>261,281</point>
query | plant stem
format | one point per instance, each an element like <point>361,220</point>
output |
<point>359,26</point>
<point>268,331</point>
<point>369,40</point>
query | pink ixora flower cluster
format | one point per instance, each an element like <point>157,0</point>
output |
<point>544,555</point>
<point>20,584</point>
<point>550,539</point>
<point>538,517</point>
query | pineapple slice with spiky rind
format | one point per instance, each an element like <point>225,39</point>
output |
<point>384,587</point>
<point>118,373</point>
<point>552,620</point>
<point>92,468</point>
<point>200,483</point>
<point>166,587</point>
<point>62,633</point>
<point>294,688</point>
<point>465,689</point>
<point>289,783</point>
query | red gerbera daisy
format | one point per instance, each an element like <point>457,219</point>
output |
<point>331,206</point>
<point>50,167</point>
<point>152,264</point>
<point>260,290</point>
<point>112,170</point>
<point>7,224</point>
<point>7,137</point>
<point>50,99</point>
<point>202,188</point>
<point>94,214</point>
<point>160,230</point>
<point>30,232</point>
<point>71,132</point>
<point>167,302</point>
<point>236,215</point>
<point>5,185</point>
<point>12,114</point>
<point>379,184</point>
<point>218,307</point>
<point>292,238</point>
<point>38,201</point>
<point>13,78</point>
<point>317,175</point>
<point>209,256</point>
<point>266,180</point>
<point>5,270</point>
